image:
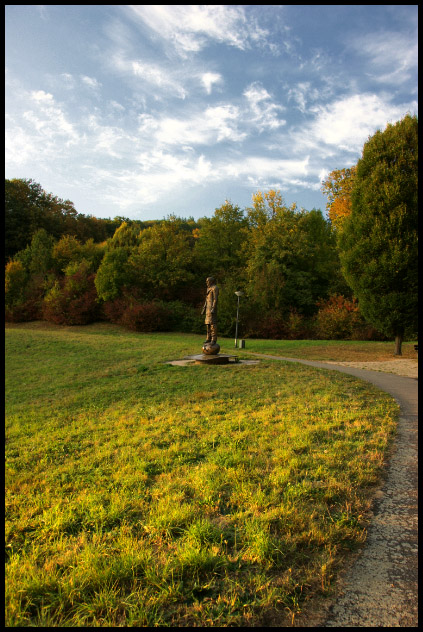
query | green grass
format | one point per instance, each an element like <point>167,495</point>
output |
<point>334,350</point>
<point>144,494</point>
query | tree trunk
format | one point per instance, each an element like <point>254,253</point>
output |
<point>398,343</point>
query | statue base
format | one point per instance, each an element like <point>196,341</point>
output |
<point>221,358</point>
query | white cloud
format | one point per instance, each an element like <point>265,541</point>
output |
<point>49,120</point>
<point>346,123</point>
<point>210,78</point>
<point>158,77</point>
<point>263,171</point>
<point>155,175</point>
<point>190,27</point>
<point>42,97</point>
<point>107,140</point>
<point>264,113</point>
<point>19,150</point>
<point>163,79</point>
<point>90,82</point>
<point>301,94</point>
<point>38,134</point>
<point>158,172</point>
<point>117,106</point>
<point>213,125</point>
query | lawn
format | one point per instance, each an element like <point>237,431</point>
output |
<point>332,350</point>
<point>144,494</point>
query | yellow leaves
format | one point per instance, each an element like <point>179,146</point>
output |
<point>15,275</point>
<point>267,206</point>
<point>338,187</point>
<point>258,199</point>
<point>339,210</point>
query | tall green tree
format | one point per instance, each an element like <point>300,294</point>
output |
<point>378,243</point>
<point>219,241</point>
<point>25,206</point>
<point>114,273</point>
<point>291,256</point>
<point>37,257</point>
<point>161,262</point>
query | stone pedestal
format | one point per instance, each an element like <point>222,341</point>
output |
<point>220,358</point>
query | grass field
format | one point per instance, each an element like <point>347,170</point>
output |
<point>332,350</point>
<point>144,494</point>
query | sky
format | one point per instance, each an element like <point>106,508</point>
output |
<point>146,111</point>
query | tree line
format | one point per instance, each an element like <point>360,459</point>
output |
<point>303,275</point>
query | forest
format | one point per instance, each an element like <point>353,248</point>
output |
<point>303,275</point>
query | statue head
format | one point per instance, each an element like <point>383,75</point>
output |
<point>210,281</point>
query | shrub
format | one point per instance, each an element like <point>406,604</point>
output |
<point>15,282</point>
<point>296,326</point>
<point>73,300</point>
<point>147,317</point>
<point>268,326</point>
<point>185,318</point>
<point>136,313</point>
<point>337,318</point>
<point>368,332</point>
<point>23,293</point>
<point>26,311</point>
<point>113,310</point>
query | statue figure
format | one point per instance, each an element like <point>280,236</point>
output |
<point>210,346</point>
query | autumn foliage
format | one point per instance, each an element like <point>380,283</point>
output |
<point>73,300</point>
<point>338,188</point>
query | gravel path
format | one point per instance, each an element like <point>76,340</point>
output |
<point>380,589</point>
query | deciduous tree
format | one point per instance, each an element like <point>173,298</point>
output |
<point>161,262</point>
<point>219,241</point>
<point>338,188</point>
<point>291,255</point>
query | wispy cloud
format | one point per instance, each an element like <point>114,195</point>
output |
<point>153,176</point>
<point>158,77</point>
<point>209,126</point>
<point>91,82</point>
<point>262,171</point>
<point>147,75</point>
<point>48,119</point>
<point>389,56</point>
<point>159,172</point>
<point>264,112</point>
<point>191,27</point>
<point>301,94</point>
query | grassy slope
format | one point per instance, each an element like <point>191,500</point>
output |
<point>138,493</point>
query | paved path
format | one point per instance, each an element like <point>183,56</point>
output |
<point>380,588</point>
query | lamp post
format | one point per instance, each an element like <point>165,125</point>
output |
<point>239,293</point>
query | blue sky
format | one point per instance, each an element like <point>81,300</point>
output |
<point>150,110</point>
